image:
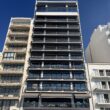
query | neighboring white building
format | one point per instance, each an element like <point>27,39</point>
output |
<point>13,62</point>
<point>97,50</point>
<point>99,78</point>
<point>0,60</point>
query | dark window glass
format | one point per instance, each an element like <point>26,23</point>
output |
<point>8,55</point>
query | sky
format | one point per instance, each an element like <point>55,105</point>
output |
<point>92,14</point>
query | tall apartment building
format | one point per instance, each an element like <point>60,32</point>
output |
<point>99,45</point>
<point>56,74</point>
<point>99,77</point>
<point>13,62</point>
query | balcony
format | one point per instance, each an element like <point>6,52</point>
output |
<point>16,42</point>
<point>55,78</point>
<point>96,77</point>
<point>10,84</point>
<point>56,67</point>
<point>57,20</point>
<point>11,71</point>
<point>13,61</point>
<point>53,108</point>
<point>13,96</point>
<point>24,33</point>
<point>105,103</point>
<point>56,49</point>
<point>102,89</point>
<point>53,27</point>
<point>16,50</point>
<point>34,105</point>
<point>75,58</point>
<point>19,25</point>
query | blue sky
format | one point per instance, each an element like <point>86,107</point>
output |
<point>92,13</point>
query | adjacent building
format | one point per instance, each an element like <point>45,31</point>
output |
<point>99,45</point>
<point>13,63</point>
<point>0,60</point>
<point>99,78</point>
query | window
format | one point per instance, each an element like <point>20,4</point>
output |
<point>32,86</point>
<point>34,75</point>
<point>66,86</point>
<point>78,75</point>
<point>109,84</point>
<point>65,75</point>
<point>104,85</point>
<point>106,98</point>
<point>13,67</point>
<point>41,8</point>
<point>108,72</point>
<point>101,72</point>
<point>8,56</point>
<point>81,103</point>
<point>80,87</point>
<point>56,86</point>
<point>56,8</point>
<point>10,79</point>
<point>9,91</point>
<point>56,75</point>
<point>72,9</point>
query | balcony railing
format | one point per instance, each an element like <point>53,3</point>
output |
<point>19,32</point>
<point>78,66</point>
<point>34,76</point>
<point>16,49</point>
<point>55,49</point>
<point>16,41</point>
<point>55,89</point>
<point>103,101</point>
<point>9,94</point>
<point>58,66</point>
<point>56,104</point>
<point>55,41</point>
<point>13,69</point>
<point>30,104</point>
<point>57,34</point>
<point>10,81</point>
<point>50,66</point>
<point>56,20</point>
<point>57,27</point>
<point>56,57</point>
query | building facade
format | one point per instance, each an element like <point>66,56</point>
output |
<point>13,62</point>
<point>56,77</point>
<point>99,45</point>
<point>99,78</point>
<point>43,66</point>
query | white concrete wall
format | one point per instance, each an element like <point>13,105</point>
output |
<point>98,50</point>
